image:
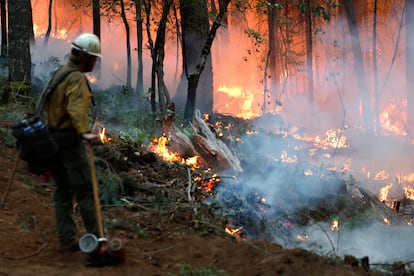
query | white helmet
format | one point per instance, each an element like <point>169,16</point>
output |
<point>88,43</point>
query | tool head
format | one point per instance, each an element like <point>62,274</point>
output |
<point>89,243</point>
<point>115,244</point>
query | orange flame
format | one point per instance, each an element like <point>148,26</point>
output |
<point>384,192</point>
<point>61,34</point>
<point>91,78</point>
<point>229,229</point>
<point>242,98</point>
<point>409,192</point>
<point>159,146</point>
<point>335,225</point>
<point>393,120</point>
<point>102,135</point>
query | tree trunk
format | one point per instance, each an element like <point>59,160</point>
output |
<point>96,18</point>
<point>309,50</point>
<point>128,45</point>
<point>3,15</point>
<point>163,94</point>
<point>178,41</point>
<point>409,60</point>
<point>375,67</point>
<point>147,5</point>
<point>139,87</point>
<point>49,24</point>
<point>195,26</point>
<point>19,41</point>
<point>55,16</point>
<point>29,23</point>
<point>224,19</point>
<point>271,68</point>
<point>358,66</point>
<point>285,39</point>
<point>213,7</point>
<point>96,21</point>
<point>193,78</point>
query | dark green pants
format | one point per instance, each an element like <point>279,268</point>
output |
<point>73,179</point>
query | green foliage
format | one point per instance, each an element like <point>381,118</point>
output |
<point>111,188</point>
<point>135,135</point>
<point>287,22</point>
<point>12,112</point>
<point>320,10</point>
<point>18,92</point>
<point>187,270</point>
<point>257,37</point>
<point>262,7</point>
<point>17,85</point>
<point>7,138</point>
<point>127,113</point>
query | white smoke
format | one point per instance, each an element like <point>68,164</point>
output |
<point>380,242</point>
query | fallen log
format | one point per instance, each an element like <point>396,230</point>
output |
<point>211,151</point>
<point>177,141</point>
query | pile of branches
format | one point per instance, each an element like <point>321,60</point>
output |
<point>142,193</point>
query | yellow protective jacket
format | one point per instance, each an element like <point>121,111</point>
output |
<point>68,106</point>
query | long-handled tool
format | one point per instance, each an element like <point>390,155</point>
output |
<point>89,243</point>
<point>6,192</point>
<point>113,252</point>
<point>95,192</point>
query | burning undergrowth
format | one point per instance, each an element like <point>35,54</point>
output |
<point>298,210</point>
<point>294,193</point>
<point>290,192</point>
<point>278,210</point>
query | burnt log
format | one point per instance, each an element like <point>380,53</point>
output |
<point>211,151</point>
<point>177,141</point>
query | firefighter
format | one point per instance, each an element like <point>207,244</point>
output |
<point>68,108</point>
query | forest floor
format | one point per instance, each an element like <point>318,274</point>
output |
<point>173,243</point>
